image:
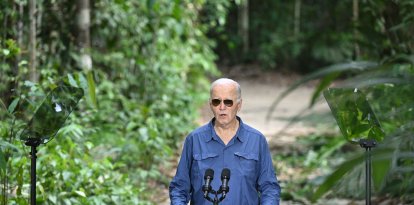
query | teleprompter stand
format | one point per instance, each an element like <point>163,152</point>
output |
<point>46,122</point>
<point>367,144</point>
<point>33,143</point>
<point>352,111</point>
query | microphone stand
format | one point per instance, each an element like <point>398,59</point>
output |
<point>224,188</point>
<point>215,200</point>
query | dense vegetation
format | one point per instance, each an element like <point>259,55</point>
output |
<point>303,35</point>
<point>151,60</point>
<point>382,67</point>
<point>144,67</point>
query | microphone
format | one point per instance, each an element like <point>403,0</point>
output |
<point>225,177</point>
<point>208,177</point>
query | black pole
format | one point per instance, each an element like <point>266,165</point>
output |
<point>33,143</point>
<point>368,176</point>
<point>367,144</point>
<point>33,176</point>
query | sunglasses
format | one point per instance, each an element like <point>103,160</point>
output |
<point>216,102</point>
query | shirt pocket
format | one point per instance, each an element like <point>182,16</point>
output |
<point>203,161</point>
<point>248,162</point>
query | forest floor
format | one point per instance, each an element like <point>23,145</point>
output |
<point>259,90</point>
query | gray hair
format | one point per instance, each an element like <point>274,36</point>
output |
<point>228,81</point>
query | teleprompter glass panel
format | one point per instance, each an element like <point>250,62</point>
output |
<point>353,114</point>
<point>52,113</point>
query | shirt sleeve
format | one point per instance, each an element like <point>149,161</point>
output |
<point>180,186</point>
<point>268,185</point>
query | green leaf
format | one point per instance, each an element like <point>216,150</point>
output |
<point>337,68</point>
<point>20,180</point>
<point>360,129</point>
<point>381,165</point>
<point>81,193</point>
<point>325,82</point>
<point>3,162</point>
<point>72,81</point>
<point>336,176</point>
<point>13,105</point>
<point>91,88</point>
<point>6,52</point>
<point>376,133</point>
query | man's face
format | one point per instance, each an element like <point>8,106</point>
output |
<point>224,104</point>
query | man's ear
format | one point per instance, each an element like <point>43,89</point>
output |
<point>239,105</point>
<point>210,106</point>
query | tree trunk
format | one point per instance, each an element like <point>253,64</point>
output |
<point>84,45</point>
<point>244,24</point>
<point>20,28</point>
<point>296,27</point>
<point>32,42</point>
<point>355,18</point>
<point>83,24</point>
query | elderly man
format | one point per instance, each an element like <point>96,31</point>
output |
<point>225,143</point>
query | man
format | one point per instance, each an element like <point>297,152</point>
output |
<point>225,142</point>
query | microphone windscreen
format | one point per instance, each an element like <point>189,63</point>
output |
<point>209,174</point>
<point>225,173</point>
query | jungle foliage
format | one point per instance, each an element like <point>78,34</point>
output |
<point>151,63</point>
<point>304,35</point>
<point>384,71</point>
<point>387,87</point>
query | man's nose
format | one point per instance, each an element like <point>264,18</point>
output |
<point>222,106</point>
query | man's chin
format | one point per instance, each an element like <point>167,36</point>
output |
<point>222,120</point>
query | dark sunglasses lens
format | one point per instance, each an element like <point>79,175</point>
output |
<point>215,102</point>
<point>228,103</point>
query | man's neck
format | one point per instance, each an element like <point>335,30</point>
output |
<point>227,132</point>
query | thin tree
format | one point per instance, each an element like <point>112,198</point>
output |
<point>355,19</point>
<point>32,42</point>
<point>244,24</point>
<point>296,26</point>
<point>83,24</point>
<point>84,46</point>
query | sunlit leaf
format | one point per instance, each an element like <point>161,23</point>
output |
<point>80,193</point>
<point>72,81</point>
<point>92,88</point>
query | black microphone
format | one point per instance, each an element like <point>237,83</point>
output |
<point>208,177</point>
<point>225,177</point>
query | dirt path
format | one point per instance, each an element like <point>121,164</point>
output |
<point>258,93</point>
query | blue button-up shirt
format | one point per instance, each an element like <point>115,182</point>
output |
<point>252,181</point>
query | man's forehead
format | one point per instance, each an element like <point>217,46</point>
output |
<point>224,88</point>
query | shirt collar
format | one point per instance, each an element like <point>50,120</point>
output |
<point>239,134</point>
